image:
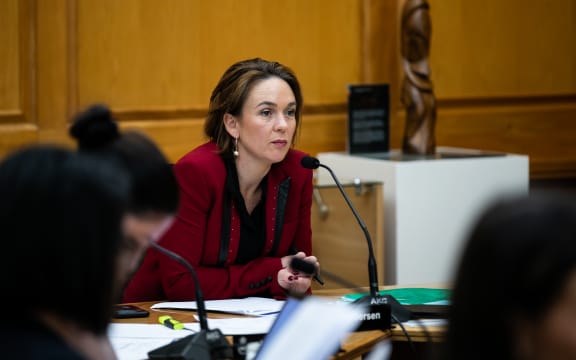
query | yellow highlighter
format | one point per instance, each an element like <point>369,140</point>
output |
<point>170,322</point>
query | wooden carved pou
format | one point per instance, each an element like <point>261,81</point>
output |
<point>417,91</point>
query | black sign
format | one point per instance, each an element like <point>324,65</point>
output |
<point>368,118</point>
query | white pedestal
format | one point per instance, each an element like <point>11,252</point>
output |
<point>430,205</point>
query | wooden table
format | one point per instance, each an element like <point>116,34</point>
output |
<point>356,345</point>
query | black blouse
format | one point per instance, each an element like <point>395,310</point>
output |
<point>252,226</point>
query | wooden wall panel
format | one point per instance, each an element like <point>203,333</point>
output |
<point>177,136</point>
<point>322,133</point>
<point>139,55</point>
<point>9,59</point>
<point>17,75</point>
<point>13,136</point>
<point>503,48</point>
<point>54,68</point>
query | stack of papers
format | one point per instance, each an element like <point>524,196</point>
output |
<point>254,306</point>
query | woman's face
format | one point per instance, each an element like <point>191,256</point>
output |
<point>555,336</point>
<point>267,124</point>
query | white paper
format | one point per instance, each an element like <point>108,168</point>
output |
<point>135,349</point>
<point>255,306</point>
<point>238,326</point>
<point>134,341</point>
<point>144,331</point>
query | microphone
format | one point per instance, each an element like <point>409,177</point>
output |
<point>312,163</point>
<point>206,344</point>
<point>379,305</point>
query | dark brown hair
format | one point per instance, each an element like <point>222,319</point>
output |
<point>232,91</point>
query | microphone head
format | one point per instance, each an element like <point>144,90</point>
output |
<point>303,266</point>
<point>310,162</point>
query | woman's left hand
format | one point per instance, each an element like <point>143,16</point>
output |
<point>292,280</point>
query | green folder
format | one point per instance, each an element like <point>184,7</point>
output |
<point>410,296</point>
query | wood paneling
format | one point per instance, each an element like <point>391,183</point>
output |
<point>544,127</point>
<point>176,136</point>
<point>10,48</point>
<point>54,64</point>
<point>16,135</point>
<point>16,62</point>
<point>136,54</point>
<point>504,72</point>
<point>322,133</point>
<point>503,48</point>
<point>17,75</point>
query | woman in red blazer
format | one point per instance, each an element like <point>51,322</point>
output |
<point>244,197</point>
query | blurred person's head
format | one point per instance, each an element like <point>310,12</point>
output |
<point>61,215</point>
<point>515,290</point>
<point>154,197</point>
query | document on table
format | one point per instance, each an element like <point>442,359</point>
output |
<point>134,341</point>
<point>238,326</point>
<point>255,306</point>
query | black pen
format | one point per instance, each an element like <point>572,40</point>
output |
<point>315,276</point>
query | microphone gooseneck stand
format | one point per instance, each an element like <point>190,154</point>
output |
<point>206,344</point>
<point>379,304</point>
<point>378,314</point>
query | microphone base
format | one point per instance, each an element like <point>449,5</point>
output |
<point>205,345</point>
<point>388,306</point>
<point>377,315</point>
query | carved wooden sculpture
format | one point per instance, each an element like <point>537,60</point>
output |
<point>417,92</point>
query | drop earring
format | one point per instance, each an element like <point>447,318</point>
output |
<point>235,152</point>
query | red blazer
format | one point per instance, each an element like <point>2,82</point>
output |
<point>206,232</point>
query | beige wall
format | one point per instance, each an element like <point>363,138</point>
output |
<point>504,72</point>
